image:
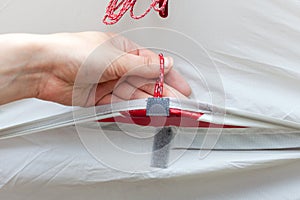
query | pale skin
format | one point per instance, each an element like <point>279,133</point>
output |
<point>81,69</point>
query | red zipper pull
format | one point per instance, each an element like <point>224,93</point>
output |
<point>159,86</point>
<point>165,12</point>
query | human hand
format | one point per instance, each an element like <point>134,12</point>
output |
<point>94,68</point>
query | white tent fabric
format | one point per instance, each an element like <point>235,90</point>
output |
<point>246,55</point>
<point>55,165</point>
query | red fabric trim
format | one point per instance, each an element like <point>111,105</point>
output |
<point>179,118</point>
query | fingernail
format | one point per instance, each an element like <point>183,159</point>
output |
<point>168,62</point>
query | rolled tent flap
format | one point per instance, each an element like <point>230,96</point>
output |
<point>184,114</point>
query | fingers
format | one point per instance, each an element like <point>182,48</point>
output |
<point>124,44</point>
<point>108,99</point>
<point>133,87</point>
<point>176,81</point>
<point>142,66</point>
<point>127,92</point>
<point>148,86</point>
<point>104,89</point>
<point>136,61</point>
<point>93,93</point>
<point>114,91</point>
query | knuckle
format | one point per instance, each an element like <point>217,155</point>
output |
<point>147,61</point>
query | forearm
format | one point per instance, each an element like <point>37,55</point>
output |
<point>20,66</point>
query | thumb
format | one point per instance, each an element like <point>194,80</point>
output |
<point>143,66</point>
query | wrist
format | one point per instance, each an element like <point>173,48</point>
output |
<point>21,70</point>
